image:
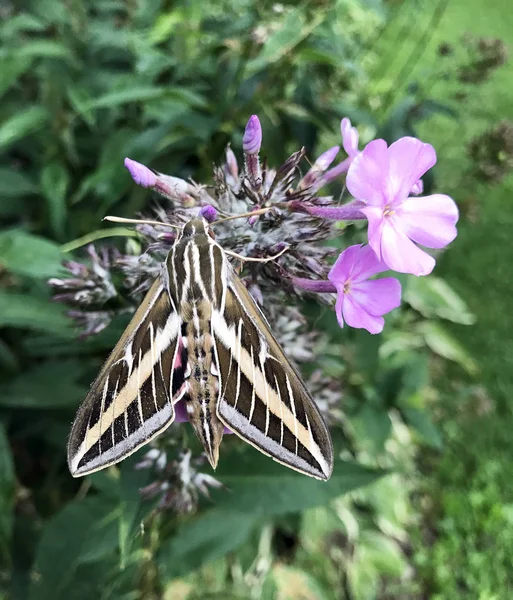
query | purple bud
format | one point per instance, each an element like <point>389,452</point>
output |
<point>326,158</point>
<point>168,238</point>
<point>332,174</point>
<point>252,139</point>
<point>319,166</point>
<point>208,212</point>
<point>140,174</point>
<point>349,137</point>
<point>231,163</point>
<point>75,268</point>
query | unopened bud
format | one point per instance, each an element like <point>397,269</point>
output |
<point>140,174</point>
<point>252,139</point>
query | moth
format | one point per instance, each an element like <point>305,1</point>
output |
<point>199,337</point>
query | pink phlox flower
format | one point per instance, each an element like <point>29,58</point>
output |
<point>382,178</point>
<point>362,302</point>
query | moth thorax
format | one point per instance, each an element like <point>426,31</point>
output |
<point>195,227</point>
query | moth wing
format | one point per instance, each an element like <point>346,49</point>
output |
<point>131,400</point>
<point>262,397</point>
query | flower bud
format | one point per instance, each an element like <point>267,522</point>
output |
<point>209,213</point>
<point>252,139</point>
<point>140,174</point>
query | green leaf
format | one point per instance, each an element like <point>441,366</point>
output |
<point>30,312</point>
<point>14,183</point>
<point>441,342</point>
<point>80,100</point>
<point>382,553</point>
<point>22,124</point>
<point>421,421</point>
<point>12,67</point>
<point>432,296</point>
<point>26,254</point>
<point>52,384</point>
<point>204,539</point>
<point>133,509</point>
<point>282,41</point>
<point>82,532</point>
<point>118,98</point>
<point>21,22</point>
<point>45,49</point>
<point>7,488</point>
<point>260,486</point>
<point>54,185</point>
<point>372,426</point>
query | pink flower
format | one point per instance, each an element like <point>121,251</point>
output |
<point>383,178</point>
<point>360,302</point>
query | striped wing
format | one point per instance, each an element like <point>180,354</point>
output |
<point>131,401</point>
<point>262,397</point>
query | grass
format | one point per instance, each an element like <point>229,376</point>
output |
<point>465,547</point>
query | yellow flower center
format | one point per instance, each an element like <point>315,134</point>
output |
<point>387,211</point>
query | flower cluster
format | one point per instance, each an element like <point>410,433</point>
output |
<point>179,484</point>
<point>291,215</point>
<point>288,216</point>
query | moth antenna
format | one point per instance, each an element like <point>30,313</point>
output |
<point>253,213</point>
<point>254,259</point>
<point>139,221</point>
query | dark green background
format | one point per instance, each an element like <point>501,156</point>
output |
<point>84,84</point>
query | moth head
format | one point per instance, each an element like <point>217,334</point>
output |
<point>195,227</point>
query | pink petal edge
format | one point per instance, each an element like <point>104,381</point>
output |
<point>367,176</point>
<point>401,254</point>
<point>409,159</point>
<point>429,220</point>
<point>357,317</point>
<point>378,296</point>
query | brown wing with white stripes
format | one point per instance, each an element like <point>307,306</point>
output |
<point>262,397</point>
<point>131,401</point>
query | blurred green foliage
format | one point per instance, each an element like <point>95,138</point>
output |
<point>83,85</point>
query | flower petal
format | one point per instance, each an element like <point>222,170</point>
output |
<point>358,317</point>
<point>349,137</point>
<point>409,159</point>
<point>378,296</point>
<point>429,220</point>
<point>367,176</point>
<point>401,254</point>
<point>344,265</point>
<point>417,188</point>
<point>367,265</point>
<point>339,307</point>
<point>376,221</point>
<point>181,412</point>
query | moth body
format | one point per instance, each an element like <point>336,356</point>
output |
<point>199,338</point>
<point>195,291</point>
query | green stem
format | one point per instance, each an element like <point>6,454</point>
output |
<point>98,235</point>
